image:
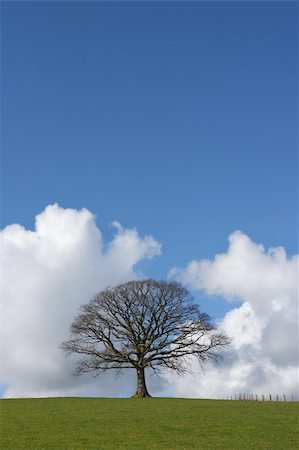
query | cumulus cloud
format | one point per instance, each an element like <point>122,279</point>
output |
<point>45,275</point>
<point>263,357</point>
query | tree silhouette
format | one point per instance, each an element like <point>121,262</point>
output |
<point>139,324</point>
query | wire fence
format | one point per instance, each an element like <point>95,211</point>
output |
<point>262,397</point>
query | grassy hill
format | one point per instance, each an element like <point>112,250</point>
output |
<point>151,423</point>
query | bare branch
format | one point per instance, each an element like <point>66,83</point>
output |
<point>140,324</point>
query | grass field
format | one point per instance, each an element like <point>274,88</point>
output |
<point>150,423</point>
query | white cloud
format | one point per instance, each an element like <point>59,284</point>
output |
<point>45,275</point>
<point>263,356</point>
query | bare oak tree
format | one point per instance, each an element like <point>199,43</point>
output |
<point>149,323</point>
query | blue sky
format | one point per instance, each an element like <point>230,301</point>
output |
<point>177,118</point>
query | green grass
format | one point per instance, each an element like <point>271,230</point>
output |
<point>151,423</point>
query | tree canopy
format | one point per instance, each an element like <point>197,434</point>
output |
<point>143,324</point>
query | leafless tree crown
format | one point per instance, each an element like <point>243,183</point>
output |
<point>142,324</point>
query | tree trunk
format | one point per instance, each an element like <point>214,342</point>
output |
<point>141,386</point>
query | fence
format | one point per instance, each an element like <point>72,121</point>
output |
<point>262,397</point>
